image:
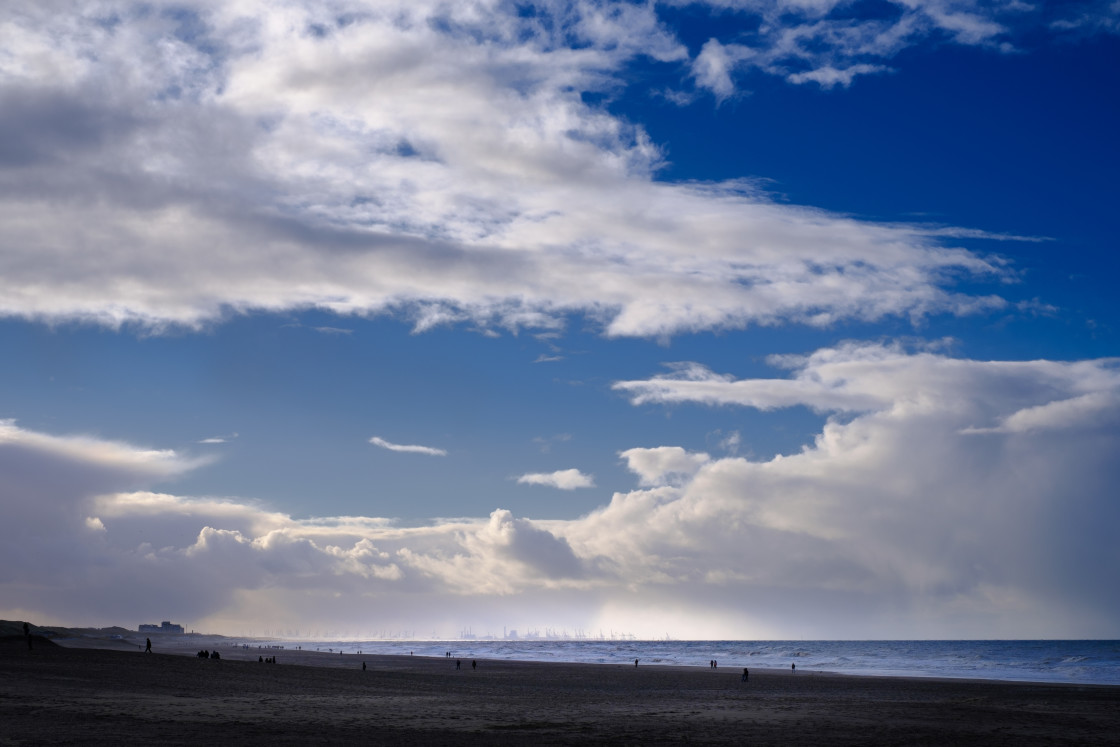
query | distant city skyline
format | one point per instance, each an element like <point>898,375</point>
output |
<point>710,319</point>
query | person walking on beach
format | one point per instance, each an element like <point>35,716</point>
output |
<point>27,635</point>
<point>746,674</point>
<point>363,666</point>
<point>458,664</point>
<point>474,664</point>
<point>793,667</point>
<point>635,662</point>
<point>148,647</point>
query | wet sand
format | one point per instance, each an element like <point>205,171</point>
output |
<point>110,692</point>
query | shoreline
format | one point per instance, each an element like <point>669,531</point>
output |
<point>102,695</point>
<point>190,643</point>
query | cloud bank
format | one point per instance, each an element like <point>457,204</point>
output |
<point>944,497</point>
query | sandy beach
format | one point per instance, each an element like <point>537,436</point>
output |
<point>102,691</point>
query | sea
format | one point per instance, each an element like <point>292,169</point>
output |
<point>1077,661</point>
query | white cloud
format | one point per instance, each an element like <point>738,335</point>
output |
<point>565,479</point>
<point>98,455</point>
<point>235,157</point>
<point>714,65</point>
<point>966,498</point>
<point>860,377</point>
<point>828,76</point>
<point>663,464</point>
<point>1089,17</point>
<point>218,439</point>
<point>831,43</point>
<point>731,442</point>
<point>1095,407</point>
<point>429,450</point>
<point>972,490</point>
<point>228,157</point>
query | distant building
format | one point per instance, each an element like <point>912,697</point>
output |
<point>164,627</point>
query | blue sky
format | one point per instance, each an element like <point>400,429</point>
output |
<point>722,319</point>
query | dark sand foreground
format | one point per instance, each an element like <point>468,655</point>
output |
<point>62,694</point>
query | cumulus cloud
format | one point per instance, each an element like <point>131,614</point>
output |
<point>662,464</point>
<point>565,479</point>
<point>943,497</point>
<point>408,449</point>
<point>970,488</point>
<point>430,160</point>
<point>79,542</point>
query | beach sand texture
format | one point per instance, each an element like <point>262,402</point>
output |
<point>65,694</point>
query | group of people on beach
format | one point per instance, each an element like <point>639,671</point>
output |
<point>204,654</point>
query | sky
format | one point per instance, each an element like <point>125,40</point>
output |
<point>741,319</point>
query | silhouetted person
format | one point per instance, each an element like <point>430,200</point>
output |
<point>635,662</point>
<point>363,666</point>
<point>457,663</point>
<point>260,659</point>
<point>793,667</point>
<point>148,647</point>
<point>746,674</point>
<point>474,665</point>
<point>27,635</point>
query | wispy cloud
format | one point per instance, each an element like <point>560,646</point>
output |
<point>546,443</point>
<point>565,479</point>
<point>410,449</point>
<point>218,439</point>
<point>832,43</point>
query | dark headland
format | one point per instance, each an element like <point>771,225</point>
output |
<point>101,689</point>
